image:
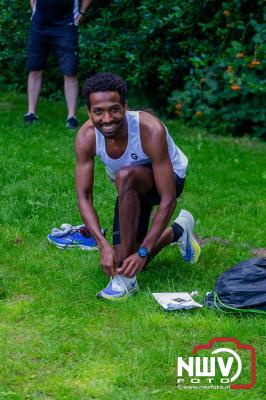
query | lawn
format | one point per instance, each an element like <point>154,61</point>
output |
<point>57,340</point>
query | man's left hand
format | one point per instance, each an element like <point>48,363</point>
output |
<point>132,265</point>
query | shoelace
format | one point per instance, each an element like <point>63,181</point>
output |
<point>65,229</point>
<point>121,282</point>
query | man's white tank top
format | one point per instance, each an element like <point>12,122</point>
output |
<point>134,154</point>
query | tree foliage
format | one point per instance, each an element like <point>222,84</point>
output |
<point>201,61</point>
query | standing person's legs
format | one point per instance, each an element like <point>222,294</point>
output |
<point>71,89</point>
<point>66,46</point>
<point>38,48</point>
<point>34,89</point>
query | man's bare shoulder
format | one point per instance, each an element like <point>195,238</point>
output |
<point>150,125</point>
<point>85,139</point>
<point>152,133</point>
<point>86,132</point>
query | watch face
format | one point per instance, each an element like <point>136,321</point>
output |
<point>143,252</point>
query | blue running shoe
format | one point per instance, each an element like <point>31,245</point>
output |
<point>119,288</point>
<point>78,236</point>
<point>189,247</point>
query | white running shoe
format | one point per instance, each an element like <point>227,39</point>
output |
<point>119,288</point>
<point>189,247</point>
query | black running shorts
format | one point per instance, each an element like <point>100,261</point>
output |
<point>64,41</point>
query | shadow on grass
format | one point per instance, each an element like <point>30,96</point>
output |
<point>2,290</point>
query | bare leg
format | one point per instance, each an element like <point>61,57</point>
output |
<point>166,238</point>
<point>118,253</point>
<point>71,89</point>
<point>130,183</point>
<point>34,89</point>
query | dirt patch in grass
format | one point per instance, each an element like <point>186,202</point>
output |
<point>261,252</point>
<point>203,241</point>
<point>23,297</point>
<point>17,241</point>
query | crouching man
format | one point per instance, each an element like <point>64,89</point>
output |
<point>147,169</point>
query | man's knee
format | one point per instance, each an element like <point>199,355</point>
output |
<point>125,179</point>
<point>36,74</point>
<point>71,78</point>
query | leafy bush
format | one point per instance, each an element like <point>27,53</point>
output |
<point>225,90</point>
<point>14,22</point>
<point>203,61</point>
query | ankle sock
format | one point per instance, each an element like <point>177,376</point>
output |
<point>178,232</point>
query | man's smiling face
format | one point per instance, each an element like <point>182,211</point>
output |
<point>107,113</point>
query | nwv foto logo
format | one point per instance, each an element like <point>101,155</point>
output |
<point>221,366</point>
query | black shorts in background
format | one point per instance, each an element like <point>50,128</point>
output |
<point>63,41</point>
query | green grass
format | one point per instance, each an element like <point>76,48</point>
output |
<point>57,341</point>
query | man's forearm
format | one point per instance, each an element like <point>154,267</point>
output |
<point>91,220</point>
<point>84,5</point>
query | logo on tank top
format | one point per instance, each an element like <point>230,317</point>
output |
<point>134,156</point>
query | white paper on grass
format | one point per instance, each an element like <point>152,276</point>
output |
<point>176,301</point>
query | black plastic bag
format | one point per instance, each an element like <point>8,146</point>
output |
<point>241,288</point>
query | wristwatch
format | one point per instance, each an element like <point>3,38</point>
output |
<point>143,252</point>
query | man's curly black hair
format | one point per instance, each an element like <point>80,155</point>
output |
<point>104,82</point>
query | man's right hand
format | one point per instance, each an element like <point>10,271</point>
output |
<point>108,260</point>
<point>79,19</point>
